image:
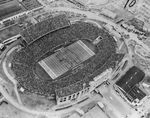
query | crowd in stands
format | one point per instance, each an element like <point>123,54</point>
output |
<point>40,29</point>
<point>26,59</point>
<point>105,59</point>
<point>59,37</point>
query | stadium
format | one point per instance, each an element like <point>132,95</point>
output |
<point>58,59</point>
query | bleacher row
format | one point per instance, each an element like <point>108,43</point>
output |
<point>59,37</point>
<point>29,56</point>
<point>40,29</point>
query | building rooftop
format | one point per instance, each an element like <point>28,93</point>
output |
<point>128,84</point>
<point>132,77</point>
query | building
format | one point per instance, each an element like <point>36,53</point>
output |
<point>127,85</point>
<point>108,13</point>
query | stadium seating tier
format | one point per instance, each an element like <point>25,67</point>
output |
<point>44,46</point>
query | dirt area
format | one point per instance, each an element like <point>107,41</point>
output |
<point>141,63</point>
<point>88,107</point>
<point>36,102</point>
<point>147,42</point>
<point>8,111</point>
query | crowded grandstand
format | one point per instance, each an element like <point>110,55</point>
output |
<point>60,58</point>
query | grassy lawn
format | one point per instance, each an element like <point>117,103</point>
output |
<point>9,32</point>
<point>10,8</point>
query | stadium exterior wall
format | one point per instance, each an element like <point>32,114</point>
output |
<point>74,97</point>
<point>84,93</point>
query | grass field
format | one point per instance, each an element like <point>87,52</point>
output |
<point>9,32</point>
<point>10,8</point>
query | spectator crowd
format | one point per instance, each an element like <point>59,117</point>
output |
<point>24,61</point>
